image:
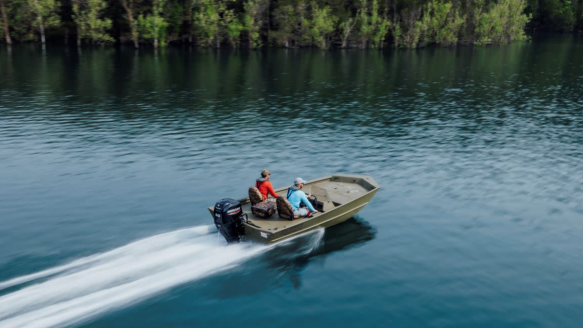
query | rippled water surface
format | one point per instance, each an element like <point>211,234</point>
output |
<point>109,158</point>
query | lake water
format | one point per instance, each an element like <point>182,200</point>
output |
<point>110,157</point>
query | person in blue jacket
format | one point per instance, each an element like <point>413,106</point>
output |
<point>296,196</point>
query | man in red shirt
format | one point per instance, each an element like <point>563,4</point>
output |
<point>264,186</point>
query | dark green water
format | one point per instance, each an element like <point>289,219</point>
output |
<point>109,158</point>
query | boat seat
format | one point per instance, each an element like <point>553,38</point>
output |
<point>255,196</point>
<point>284,208</point>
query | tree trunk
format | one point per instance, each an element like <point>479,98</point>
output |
<point>42,31</point>
<point>130,14</point>
<point>349,29</point>
<point>77,5</point>
<point>190,23</point>
<point>156,32</point>
<point>345,38</point>
<point>5,21</point>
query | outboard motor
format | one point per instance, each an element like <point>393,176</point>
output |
<point>229,218</point>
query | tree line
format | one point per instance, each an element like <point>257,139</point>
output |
<point>285,23</point>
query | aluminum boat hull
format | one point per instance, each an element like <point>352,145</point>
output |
<point>340,195</point>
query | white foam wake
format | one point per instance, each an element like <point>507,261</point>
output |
<point>141,246</point>
<point>90,286</point>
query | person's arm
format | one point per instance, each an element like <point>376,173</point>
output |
<point>307,202</point>
<point>270,190</point>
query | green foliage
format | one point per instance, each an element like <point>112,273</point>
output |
<point>293,24</point>
<point>174,18</point>
<point>87,15</point>
<point>440,24</point>
<point>410,28</point>
<point>214,22</point>
<point>20,20</point>
<point>561,14</point>
<point>322,25</point>
<point>232,27</point>
<point>253,20</point>
<point>504,22</point>
<point>207,20</point>
<point>285,19</point>
<point>302,31</point>
<point>153,26</point>
<point>373,26</point>
<point>296,23</point>
<point>397,34</point>
<point>45,11</point>
<point>44,14</point>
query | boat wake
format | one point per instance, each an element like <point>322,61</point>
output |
<point>93,285</point>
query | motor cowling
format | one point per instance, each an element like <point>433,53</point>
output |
<point>229,218</point>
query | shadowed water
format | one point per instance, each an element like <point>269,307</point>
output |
<point>109,158</point>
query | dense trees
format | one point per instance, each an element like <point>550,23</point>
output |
<point>88,18</point>
<point>286,23</point>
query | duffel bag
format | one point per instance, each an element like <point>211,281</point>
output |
<point>264,209</point>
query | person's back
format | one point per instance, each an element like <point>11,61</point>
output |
<point>264,185</point>
<point>296,196</point>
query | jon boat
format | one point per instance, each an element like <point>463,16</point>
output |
<point>340,197</point>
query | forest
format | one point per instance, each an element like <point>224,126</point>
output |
<point>285,23</point>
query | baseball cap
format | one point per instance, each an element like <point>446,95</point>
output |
<point>299,180</point>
